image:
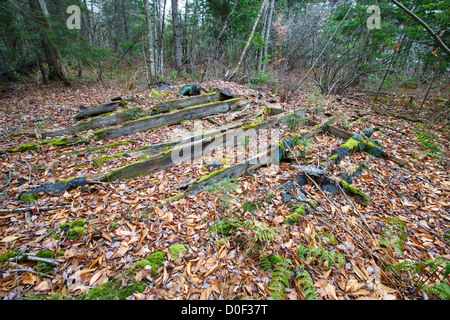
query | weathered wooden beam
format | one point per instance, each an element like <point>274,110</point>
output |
<point>186,152</point>
<point>160,120</point>
<point>177,104</point>
<point>155,149</point>
<point>101,121</point>
<point>98,110</point>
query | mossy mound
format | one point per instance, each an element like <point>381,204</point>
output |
<point>113,290</point>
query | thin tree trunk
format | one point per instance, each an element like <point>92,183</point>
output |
<point>219,40</point>
<point>150,40</point>
<point>230,74</point>
<point>176,37</point>
<point>263,36</point>
<point>436,38</point>
<point>268,30</point>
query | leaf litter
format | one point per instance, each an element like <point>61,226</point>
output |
<point>124,223</point>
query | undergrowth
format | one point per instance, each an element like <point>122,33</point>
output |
<point>430,276</point>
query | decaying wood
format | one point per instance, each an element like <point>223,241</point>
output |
<point>98,110</point>
<point>171,118</point>
<point>176,104</point>
<point>194,149</point>
<point>154,149</point>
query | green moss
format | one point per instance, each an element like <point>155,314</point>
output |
<point>331,158</point>
<point>360,197</point>
<point>113,290</point>
<point>44,254</point>
<point>8,255</point>
<point>29,197</point>
<point>299,211</point>
<point>76,233</point>
<point>176,249</point>
<point>350,144</point>
<point>115,174</point>
<point>156,260</point>
<point>213,174</point>
<point>97,162</point>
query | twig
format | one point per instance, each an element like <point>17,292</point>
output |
<point>356,209</point>
<point>32,271</point>
<point>47,208</point>
<point>7,182</point>
<point>37,259</point>
<point>387,127</point>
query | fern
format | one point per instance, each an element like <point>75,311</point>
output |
<point>307,285</point>
<point>427,270</point>
<point>394,235</point>
<point>305,252</point>
<point>442,291</point>
<point>428,140</point>
<point>281,275</point>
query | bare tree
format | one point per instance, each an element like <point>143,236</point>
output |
<point>176,37</point>
<point>150,40</point>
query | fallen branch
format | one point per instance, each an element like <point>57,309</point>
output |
<point>48,208</point>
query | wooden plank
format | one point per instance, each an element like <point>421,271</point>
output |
<point>102,121</point>
<point>184,152</point>
<point>154,149</point>
<point>171,118</point>
<point>177,104</point>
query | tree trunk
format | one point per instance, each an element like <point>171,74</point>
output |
<point>267,36</point>
<point>56,68</point>
<point>230,74</point>
<point>150,40</point>
<point>176,37</point>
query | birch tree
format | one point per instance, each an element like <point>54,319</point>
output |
<point>151,53</point>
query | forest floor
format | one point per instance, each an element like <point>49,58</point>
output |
<point>123,226</point>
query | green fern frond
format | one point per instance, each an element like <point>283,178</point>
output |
<point>265,263</point>
<point>442,291</point>
<point>307,285</point>
<point>281,275</point>
<point>394,235</point>
<point>330,256</point>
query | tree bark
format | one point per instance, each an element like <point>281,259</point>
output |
<point>230,74</point>
<point>150,40</point>
<point>176,37</point>
<point>267,36</point>
<point>56,68</point>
